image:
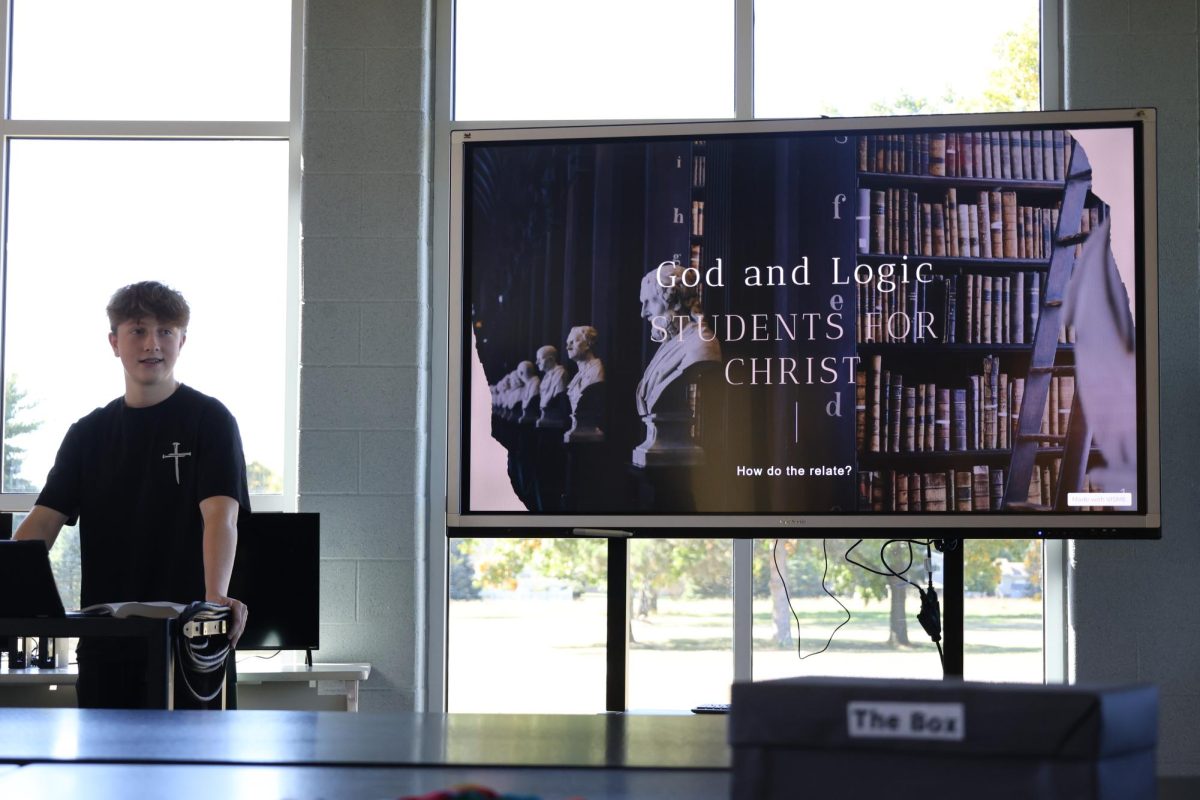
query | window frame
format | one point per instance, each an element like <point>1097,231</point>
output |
<point>1056,632</point>
<point>288,130</point>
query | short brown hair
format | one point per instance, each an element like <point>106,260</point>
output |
<point>148,299</point>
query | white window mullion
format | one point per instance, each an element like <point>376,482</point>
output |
<point>291,411</point>
<point>120,129</point>
<point>437,591</point>
<point>743,59</point>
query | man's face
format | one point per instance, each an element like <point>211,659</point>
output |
<point>653,304</point>
<point>148,349</point>
<point>576,344</point>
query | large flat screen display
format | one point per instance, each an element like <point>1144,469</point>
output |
<point>877,323</point>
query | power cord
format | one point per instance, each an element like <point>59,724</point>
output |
<point>930,615</point>
<point>201,647</point>
<point>824,575</point>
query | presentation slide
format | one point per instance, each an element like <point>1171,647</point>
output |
<point>802,323</point>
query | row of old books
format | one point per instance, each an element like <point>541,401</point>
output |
<point>900,221</point>
<point>699,170</point>
<point>976,488</point>
<point>895,413</point>
<point>1031,155</point>
<point>961,308</point>
<point>697,218</point>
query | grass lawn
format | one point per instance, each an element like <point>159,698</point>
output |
<point>513,655</point>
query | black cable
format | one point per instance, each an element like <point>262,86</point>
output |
<point>930,615</point>
<point>824,575</point>
<point>201,647</point>
<point>888,567</point>
<point>859,564</point>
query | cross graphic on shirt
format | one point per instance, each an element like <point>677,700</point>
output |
<point>176,455</point>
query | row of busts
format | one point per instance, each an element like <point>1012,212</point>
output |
<point>540,394</point>
<point>671,303</point>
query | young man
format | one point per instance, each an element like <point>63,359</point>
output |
<point>157,480</point>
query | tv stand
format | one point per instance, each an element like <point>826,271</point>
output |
<point>952,607</point>
<point>308,657</point>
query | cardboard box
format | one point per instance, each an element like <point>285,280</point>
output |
<point>852,738</point>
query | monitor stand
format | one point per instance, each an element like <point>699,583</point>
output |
<point>308,657</point>
<point>16,653</point>
<point>952,606</point>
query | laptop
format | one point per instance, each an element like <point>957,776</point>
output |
<point>27,587</point>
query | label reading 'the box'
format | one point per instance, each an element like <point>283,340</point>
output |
<point>884,720</point>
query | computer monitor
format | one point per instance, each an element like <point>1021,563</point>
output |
<point>27,587</point>
<point>277,575</point>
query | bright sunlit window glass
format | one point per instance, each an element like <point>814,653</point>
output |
<point>871,57</point>
<point>87,217</point>
<point>1003,611</point>
<point>681,622</point>
<point>527,626</point>
<point>800,608</point>
<point>151,59</point>
<point>570,59</point>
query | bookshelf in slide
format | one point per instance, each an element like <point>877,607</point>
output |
<point>956,236</point>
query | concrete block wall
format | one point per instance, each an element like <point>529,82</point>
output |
<point>364,359</point>
<point>1135,608</point>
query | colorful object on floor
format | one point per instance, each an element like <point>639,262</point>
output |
<point>472,792</point>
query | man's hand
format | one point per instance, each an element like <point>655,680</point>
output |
<point>240,612</point>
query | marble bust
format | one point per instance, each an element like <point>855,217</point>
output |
<point>553,398</point>
<point>509,393</point>
<point>685,341</point>
<point>554,375</point>
<point>678,324</point>
<point>528,404</point>
<point>580,341</point>
<point>586,389</point>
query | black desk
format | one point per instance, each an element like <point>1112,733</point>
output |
<point>197,755</point>
<point>599,741</point>
<point>193,782</point>
<point>155,633</point>
<point>100,754</point>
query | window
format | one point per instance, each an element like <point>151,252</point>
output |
<point>529,615</point>
<point>114,173</point>
<point>151,60</point>
<point>550,596</point>
<point>728,611</point>
<point>568,59</point>
<point>875,57</point>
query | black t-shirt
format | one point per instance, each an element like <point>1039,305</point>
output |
<point>134,478</point>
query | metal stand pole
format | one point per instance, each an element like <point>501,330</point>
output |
<point>952,607</point>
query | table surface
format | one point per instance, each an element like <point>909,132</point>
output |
<point>66,627</point>
<point>68,753</point>
<point>249,671</point>
<point>194,782</point>
<point>329,738</point>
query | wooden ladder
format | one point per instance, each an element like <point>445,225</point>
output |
<point>1076,442</point>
